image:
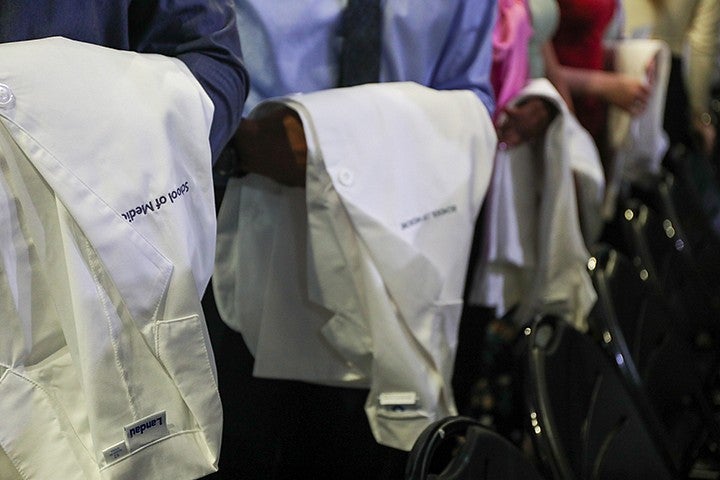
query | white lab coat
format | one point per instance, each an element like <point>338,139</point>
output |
<point>537,225</point>
<point>107,245</point>
<point>639,143</point>
<point>358,279</point>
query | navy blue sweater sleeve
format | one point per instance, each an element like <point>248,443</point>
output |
<point>201,33</point>
<point>204,36</point>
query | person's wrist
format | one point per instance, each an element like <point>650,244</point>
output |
<point>703,131</point>
<point>705,119</point>
<point>228,164</point>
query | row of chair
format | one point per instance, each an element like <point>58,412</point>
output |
<point>636,396</point>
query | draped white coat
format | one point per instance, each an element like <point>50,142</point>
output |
<point>357,280</point>
<point>543,209</point>
<point>107,243</point>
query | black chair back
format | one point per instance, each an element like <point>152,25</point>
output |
<point>586,423</point>
<point>461,448</point>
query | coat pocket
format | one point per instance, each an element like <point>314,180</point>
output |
<point>36,434</point>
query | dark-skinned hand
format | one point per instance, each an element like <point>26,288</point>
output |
<point>274,146</point>
<point>525,121</point>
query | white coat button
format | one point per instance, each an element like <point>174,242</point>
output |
<point>346,178</point>
<point>7,99</point>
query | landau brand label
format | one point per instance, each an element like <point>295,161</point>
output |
<point>146,430</point>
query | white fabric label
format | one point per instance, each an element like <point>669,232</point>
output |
<point>146,430</point>
<point>116,451</point>
<point>398,398</point>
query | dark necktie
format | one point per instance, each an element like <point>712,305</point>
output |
<point>360,54</point>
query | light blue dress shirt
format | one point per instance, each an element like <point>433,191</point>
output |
<point>293,45</point>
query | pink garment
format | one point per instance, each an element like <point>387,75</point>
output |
<point>510,50</point>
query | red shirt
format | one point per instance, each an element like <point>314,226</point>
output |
<point>578,43</point>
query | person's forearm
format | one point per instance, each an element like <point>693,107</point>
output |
<point>203,35</point>
<point>553,72</point>
<point>700,68</point>
<point>624,91</point>
<point>226,84</point>
<point>582,82</point>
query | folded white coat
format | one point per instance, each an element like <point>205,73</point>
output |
<point>358,279</point>
<point>106,246</point>
<point>639,143</point>
<point>537,225</point>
